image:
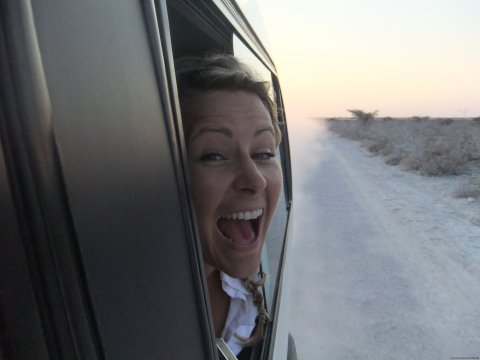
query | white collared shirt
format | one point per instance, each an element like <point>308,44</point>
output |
<point>241,314</point>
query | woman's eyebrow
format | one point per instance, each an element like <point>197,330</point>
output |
<point>265,129</point>
<point>228,133</point>
<point>203,130</point>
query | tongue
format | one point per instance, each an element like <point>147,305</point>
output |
<point>239,231</point>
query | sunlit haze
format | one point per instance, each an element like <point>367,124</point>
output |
<point>403,58</point>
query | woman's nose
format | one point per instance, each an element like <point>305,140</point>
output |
<point>249,178</point>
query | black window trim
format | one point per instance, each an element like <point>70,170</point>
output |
<point>157,23</point>
<point>235,16</point>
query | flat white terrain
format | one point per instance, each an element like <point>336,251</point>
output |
<point>385,263</point>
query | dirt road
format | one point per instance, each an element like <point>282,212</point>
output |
<point>385,267</point>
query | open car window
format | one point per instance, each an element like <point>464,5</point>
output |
<point>272,253</point>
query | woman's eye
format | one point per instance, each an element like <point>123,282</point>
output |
<point>213,156</point>
<point>264,155</point>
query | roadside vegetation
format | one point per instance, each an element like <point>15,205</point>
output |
<point>429,146</point>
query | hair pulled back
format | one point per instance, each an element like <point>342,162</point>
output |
<point>197,74</point>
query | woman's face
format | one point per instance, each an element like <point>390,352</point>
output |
<point>236,179</point>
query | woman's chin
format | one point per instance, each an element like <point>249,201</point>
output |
<point>242,272</point>
<point>237,267</point>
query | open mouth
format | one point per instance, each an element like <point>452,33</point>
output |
<point>241,227</point>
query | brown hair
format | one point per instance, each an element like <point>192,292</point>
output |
<point>255,289</point>
<point>197,74</point>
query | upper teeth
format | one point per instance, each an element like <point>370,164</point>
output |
<point>245,215</point>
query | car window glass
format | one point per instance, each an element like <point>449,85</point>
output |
<point>272,252</point>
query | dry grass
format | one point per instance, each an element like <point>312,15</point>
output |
<point>433,147</point>
<point>469,190</point>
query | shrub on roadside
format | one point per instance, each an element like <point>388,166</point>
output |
<point>437,159</point>
<point>345,128</point>
<point>362,116</point>
<point>469,190</point>
<point>429,146</point>
<point>446,121</point>
<point>378,146</point>
<point>420,118</point>
<point>393,161</point>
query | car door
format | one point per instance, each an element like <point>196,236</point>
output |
<point>100,253</point>
<point>99,234</point>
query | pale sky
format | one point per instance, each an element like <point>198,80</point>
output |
<point>403,58</point>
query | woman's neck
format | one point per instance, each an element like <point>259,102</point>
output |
<point>219,301</point>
